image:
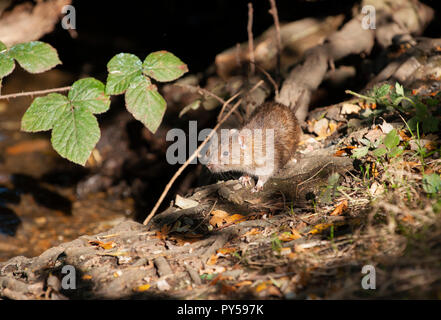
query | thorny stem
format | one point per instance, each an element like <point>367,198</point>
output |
<point>360,95</point>
<point>33,93</point>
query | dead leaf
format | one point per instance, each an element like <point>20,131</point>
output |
<point>163,233</point>
<point>292,256</point>
<point>183,241</point>
<point>288,236</point>
<point>235,218</point>
<point>218,218</point>
<point>212,260</point>
<point>403,135</point>
<point>376,188</point>
<point>341,207</point>
<point>225,289</point>
<point>252,232</point>
<point>86,277</point>
<point>373,135</point>
<point>319,228</point>
<point>217,279</point>
<point>262,286</point>
<point>104,245</point>
<point>274,291</point>
<point>348,108</point>
<point>344,151</point>
<point>408,218</point>
<point>386,127</point>
<point>226,251</point>
<point>243,283</point>
<point>142,288</point>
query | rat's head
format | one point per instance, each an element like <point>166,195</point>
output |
<point>241,150</point>
<point>226,151</point>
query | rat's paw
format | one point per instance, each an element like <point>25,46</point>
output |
<point>258,187</point>
<point>245,180</point>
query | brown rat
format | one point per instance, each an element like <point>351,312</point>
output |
<point>264,144</point>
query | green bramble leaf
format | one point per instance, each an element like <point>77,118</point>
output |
<point>396,151</point>
<point>75,134</point>
<point>123,69</point>
<point>163,66</point>
<point>44,112</point>
<point>192,106</point>
<point>392,139</point>
<point>430,124</point>
<point>35,56</point>
<point>382,91</point>
<point>379,152</point>
<point>89,93</point>
<point>399,89</point>
<point>431,183</point>
<point>75,130</point>
<point>7,64</point>
<point>360,152</point>
<point>145,103</point>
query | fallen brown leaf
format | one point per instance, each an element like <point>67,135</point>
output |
<point>104,245</point>
<point>142,288</point>
<point>341,207</point>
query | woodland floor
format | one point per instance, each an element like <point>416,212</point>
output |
<point>310,243</point>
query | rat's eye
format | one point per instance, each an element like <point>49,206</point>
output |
<point>225,153</point>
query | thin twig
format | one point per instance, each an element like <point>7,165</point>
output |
<point>270,79</point>
<point>196,152</point>
<point>181,169</point>
<point>201,91</point>
<point>275,15</point>
<point>238,55</point>
<point>250,38</point>
<point>224,106</point>
<point>33,93</point>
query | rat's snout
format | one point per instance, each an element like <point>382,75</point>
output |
<point>211,166</point>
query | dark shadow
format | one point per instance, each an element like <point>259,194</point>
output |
<point>43,196</point>
<point>65,177</point>
<point>9,221</point>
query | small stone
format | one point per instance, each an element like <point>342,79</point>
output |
<point>184,203</point>
<point>163,285</point>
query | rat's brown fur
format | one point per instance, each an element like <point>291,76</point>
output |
<point>270,115</point>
